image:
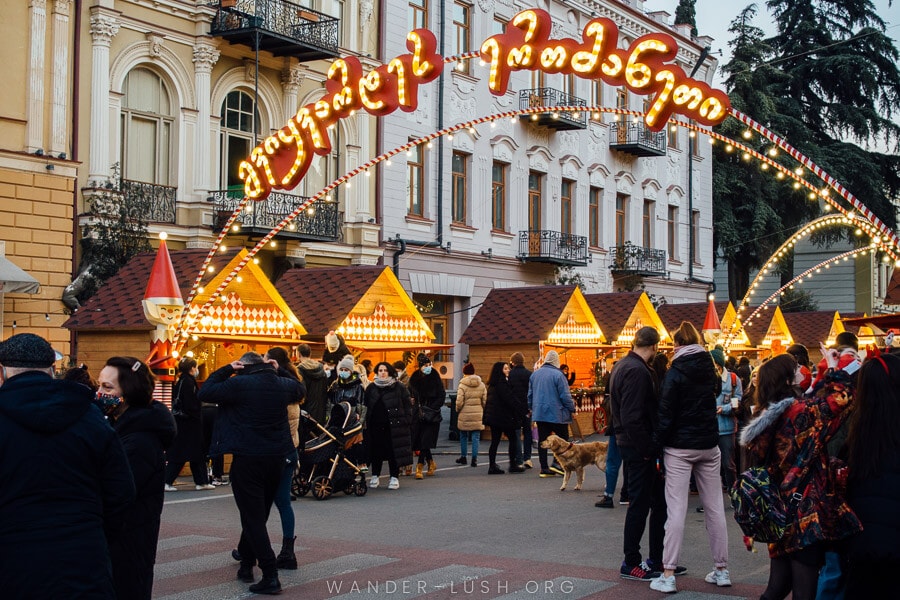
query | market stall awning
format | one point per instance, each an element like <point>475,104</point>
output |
<point>621,314</point>
<point>14,280</point>
<point>556,315</point>
<point>366,305</point>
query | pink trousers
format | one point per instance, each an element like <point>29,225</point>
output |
<point>705,466</point>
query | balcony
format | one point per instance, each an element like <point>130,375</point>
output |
<point>154,203</point>
<point>553,247</point>
<point>280,27</point>
<point>636,260</point>
<point>637,139</point>
<point>321,222</point>
<point>560,121</point>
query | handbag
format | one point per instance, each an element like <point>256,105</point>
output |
<point>176,401</point>
<point>430,415</point>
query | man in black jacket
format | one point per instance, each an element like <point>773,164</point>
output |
<point>518,381</point>
<point>252,425</point>
<point>66,480</point>
<point>633,405</point>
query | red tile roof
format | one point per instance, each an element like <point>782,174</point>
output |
<point>892,297</point>
<point>117,304</point>
<point>695,312</point>
<point>612,311</point>
<point>810,328</point>
<point>517,315</point>
<point>323,297</point>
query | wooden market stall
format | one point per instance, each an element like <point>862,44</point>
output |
<point>732,329</point>
<point>768,332</point>
<point>534,320</point>
<point>366,305</point>
<point>813,327</point>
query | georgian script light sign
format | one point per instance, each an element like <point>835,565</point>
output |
<point>282,159</point>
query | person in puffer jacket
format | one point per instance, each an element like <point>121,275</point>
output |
<point>471,396</point>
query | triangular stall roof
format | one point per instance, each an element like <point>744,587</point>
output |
<point>695,312</point>
<point>367,305</point>
<point>810,328</point>
<point>557,315</point>
<point>621,314</point>
<point>249,308</point>
<point>769,331</point>
<point>252,310</point>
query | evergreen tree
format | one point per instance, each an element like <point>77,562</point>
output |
<point>686,14</point>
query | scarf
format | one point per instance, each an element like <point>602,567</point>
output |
<point>687,350</point>
<point>383,383</point>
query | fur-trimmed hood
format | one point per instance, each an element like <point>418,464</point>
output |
<point>765,420</point>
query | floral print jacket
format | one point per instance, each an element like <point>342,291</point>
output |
<point>800,429</point>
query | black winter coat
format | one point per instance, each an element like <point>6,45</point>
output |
<point>145,433</point>
<point>426,390</point>
<point>64,478</point>
<point>687,404</point>
<point>518,381</point>
<point>316,382</point>
<point>348,390</point>
<point>188,444</point>
<point>877,504</point>
<point>633,404</point>
<point>388,412</point>
<point>252,418</point>
<point>501,409</point>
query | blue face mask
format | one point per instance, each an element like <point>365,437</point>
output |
<point>427,369</point>
<point>344,374</point>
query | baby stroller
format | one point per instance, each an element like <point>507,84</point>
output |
<point>324,465</point>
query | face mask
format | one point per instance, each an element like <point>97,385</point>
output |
<point>798,376</point>
<point>107,403</point>
<point>327,372</point>
<point>427,369</point>
<point>344,374</point>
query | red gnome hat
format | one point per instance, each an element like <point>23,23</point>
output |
<point>162,287</point>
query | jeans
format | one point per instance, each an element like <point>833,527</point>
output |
<point>464,442</point>
<point>254,483</point>
<point>283,498</point>
<point>645,490</point>
<point>613,462</point>
<point>727,470</point>
<point>527,442</point>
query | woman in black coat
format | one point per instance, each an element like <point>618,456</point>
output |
<point>146,428</point>
<point>427,391</point>
<point>501,414</point>
<point>873,556</point>
<point>188,446</point>
<point>387,424</point>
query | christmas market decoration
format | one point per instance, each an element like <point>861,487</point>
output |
<point>163,306</point>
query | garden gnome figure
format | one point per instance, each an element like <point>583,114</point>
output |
<point>163,307</point>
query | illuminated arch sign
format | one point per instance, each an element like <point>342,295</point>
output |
<point>645,67</point>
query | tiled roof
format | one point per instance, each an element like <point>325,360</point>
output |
<point>757,328</point>
<point>612,311</point>
<point>892,297</point>
<point>117,304</point>
<point>810,328</point>
<point>695,312</point>
<point>517,315</point>
<point>323,297</point>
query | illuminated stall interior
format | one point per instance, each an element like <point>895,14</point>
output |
<point>620,315</point>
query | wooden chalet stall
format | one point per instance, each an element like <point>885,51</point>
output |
<point>813,327</point>
<point>533,321</point>
<point>249,315</point>
<point>731,328</point>
<point>366,305</point>
<point>768,332</point>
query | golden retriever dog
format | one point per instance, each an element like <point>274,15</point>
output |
<point>575,457</point>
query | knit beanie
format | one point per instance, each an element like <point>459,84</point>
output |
<point>469,369</point>
<point>346,363</point>
<point>26,350</point>
<point>517,359</point>
<point>718,355</point>
<point>552,357</point>
<point>423,359</point>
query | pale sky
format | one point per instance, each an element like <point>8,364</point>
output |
<point>714,17</point>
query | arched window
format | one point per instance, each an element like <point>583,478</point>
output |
<point>148,129</point>
<point>237,134</point>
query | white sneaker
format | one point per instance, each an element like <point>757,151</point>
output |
<point>720,577</point>
<point>373,481</point>
<point>394,484</point>
<point>664,584</point>
<point>207,486</point>
<point>171,488</point>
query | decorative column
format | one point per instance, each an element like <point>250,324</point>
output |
<point>34,130</point>
<point>59,104</point>
<point>291,80</point>
<point>103,29</point>
<point>205,57</point>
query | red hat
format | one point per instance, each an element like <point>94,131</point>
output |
<point>162,287</point>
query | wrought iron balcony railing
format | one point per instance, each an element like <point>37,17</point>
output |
<point>320,222</point>
<point>637,139</point>
<point>155,203</point>
<point>540,245</point>
<point>637,260</point>
<point>551,97</point>
<point>280,27</point>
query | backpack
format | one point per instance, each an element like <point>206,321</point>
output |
<point>759,509</point>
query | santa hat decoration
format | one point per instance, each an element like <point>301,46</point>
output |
<point>162,286</point>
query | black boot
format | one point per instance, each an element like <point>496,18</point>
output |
<point>245,573</point>
<point>286,558</point>
<point>269,584</point>
<point>493,469</point>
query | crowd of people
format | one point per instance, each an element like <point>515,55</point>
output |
<point>108,452</point>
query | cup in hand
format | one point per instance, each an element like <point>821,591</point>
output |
<point>735,402</point>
